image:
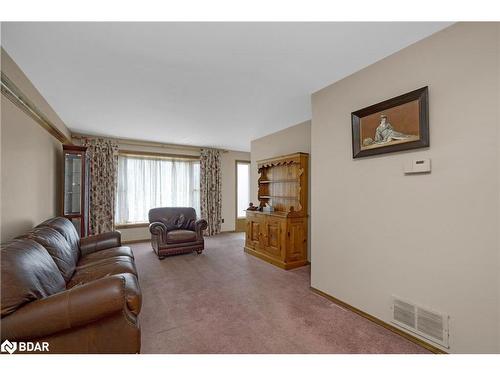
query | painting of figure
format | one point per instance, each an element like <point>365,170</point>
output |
<point>397,124</point>
<point>393,126</point>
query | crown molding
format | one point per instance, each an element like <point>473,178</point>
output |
<point>16,96</point>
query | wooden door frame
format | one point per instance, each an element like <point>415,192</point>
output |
<point>239,223</point>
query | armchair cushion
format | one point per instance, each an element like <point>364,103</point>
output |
<point>178,222</point>
<point>172,222</point>
<point>185,223</point>
<point>180,236</point>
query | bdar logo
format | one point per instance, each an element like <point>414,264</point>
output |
<point>8,346</point>
<point>22,346</point>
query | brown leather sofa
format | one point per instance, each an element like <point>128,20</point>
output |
<point>79,295</point>
<point>175,230</point>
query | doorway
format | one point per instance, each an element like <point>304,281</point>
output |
<point>242,193</point>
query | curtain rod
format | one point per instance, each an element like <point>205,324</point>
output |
<point>133,142</point>
<point>145,154</point>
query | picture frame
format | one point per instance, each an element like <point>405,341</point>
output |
<point>397,124</point>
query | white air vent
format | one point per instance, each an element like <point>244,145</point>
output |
<point>404,313</point>
<point>426,323</point>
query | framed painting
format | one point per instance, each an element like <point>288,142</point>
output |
<point>397,124</point>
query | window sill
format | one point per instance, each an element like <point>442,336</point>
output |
<point>134,225</point>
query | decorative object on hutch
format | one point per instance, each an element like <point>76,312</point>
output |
<point>277,229</point>
<point>76,187</point>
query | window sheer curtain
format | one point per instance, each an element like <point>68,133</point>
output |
<point>145,183</point>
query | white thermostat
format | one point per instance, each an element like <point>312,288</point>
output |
<point>417,166</point>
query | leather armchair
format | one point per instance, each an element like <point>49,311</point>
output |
<point>175,230</point>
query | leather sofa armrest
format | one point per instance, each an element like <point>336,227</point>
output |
<point>101,241</point>
<point>74,307</point>
<point>199,227</point>
<point>159,229</point>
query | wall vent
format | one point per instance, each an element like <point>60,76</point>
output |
<point>426,323</point>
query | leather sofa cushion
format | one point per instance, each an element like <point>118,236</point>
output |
<point>85,262</point>
<point>58,248</point>
<point>106,254</point>
<point>180,236</point>
<point>28,273</point>
<point>67,229</point>
<point>101,268</point>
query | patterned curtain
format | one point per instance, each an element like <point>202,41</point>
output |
<point>103,155</point>
<point>210,197</point>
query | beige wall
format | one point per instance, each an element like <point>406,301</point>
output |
<point>30,160</point>
<point>431,239</point>
<point>296,138</point>
<point>498,175</point>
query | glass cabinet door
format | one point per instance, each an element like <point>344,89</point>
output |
<point>72,184</point>
<point>77,222</point>
<point>76,186</point>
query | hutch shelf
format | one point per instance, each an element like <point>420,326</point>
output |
<point>277,227</point>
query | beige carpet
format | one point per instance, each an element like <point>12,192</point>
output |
<point>225,301</point>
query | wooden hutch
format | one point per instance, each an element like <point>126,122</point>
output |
<point>277,228</point>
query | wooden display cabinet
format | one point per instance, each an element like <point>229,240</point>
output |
<point>75,201</point>
<point>280,236</point>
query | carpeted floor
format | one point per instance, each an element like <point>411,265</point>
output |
<point>226,301</point>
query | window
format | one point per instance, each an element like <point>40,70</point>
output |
<point>242,187</point>
<point>146,182</point>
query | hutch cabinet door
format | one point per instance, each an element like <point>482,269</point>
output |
<point>272,237</point>
<point>253,234</point>
<point>297,240</point>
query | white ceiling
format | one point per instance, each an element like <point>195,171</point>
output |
<point>205,84</point>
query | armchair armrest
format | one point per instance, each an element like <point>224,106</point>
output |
<point>74,307</point>
<point>199,226</point>
<point>101,241</point>
<point>159,229</point>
